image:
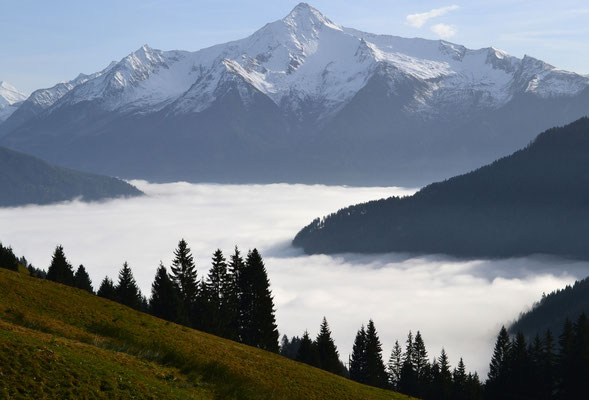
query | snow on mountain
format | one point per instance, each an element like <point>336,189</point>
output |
<point>305,58</point>
<point>10,97</point>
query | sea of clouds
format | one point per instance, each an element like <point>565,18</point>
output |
<point>456,304</point>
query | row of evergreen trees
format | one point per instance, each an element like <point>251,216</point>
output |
<point>233,301</point>
<point>409,372</point>
<point>544,368</point>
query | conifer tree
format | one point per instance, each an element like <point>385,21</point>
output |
<point>420,360</point>
<point>217,285</point>
<point>358,358</point>
<point>107,289</point>
<point>307,352</point>
<point>233,294</point>
<point>408,381</point>
<point>185,278</point>
<point>60,269</point>
<point>257,305</point>
<point>127,292</point>
<point>459,378</point>
<point>496,379</point>
<point>374,366</point>
<point>395,366</point>
<point>327,351</point>
<point>82,280</point>
<point>164,302</point>
<point>444,382</point>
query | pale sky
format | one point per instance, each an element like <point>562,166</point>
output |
<point>44,42</point>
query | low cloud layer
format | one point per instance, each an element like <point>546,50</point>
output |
<point>418,20</point>
<point>454,303</point>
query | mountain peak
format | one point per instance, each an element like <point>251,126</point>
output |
<point>304,14</point>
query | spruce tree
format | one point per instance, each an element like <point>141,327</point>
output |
<point>408,381</point>
<point>107,289</point>
<point>233,295</point>
<point>358,358</point>
<point>374,366</point>
<point>459,377</point>
<point>498,372</point>
<point>327,351</point>
<point>395,366</point>
<point>82,280</point>
<point>164,302</point>
<point>127,292</point>
<point>258,321</point>
<point>60,269</point>
<point>444,382</point>
<point>566,361</point>
<point>307,352</point>
<point>420,359</point>
<point>217,284</point>
<point>185,277</point>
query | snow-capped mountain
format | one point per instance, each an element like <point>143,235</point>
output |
<point>10,99</point>
<point>317,98</point>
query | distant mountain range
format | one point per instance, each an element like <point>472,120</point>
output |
<point>533,201</point>
<point>10,99</point>
<point>27,180</point>
<point>300,100</point>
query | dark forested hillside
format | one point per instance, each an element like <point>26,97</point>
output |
<point>553,309</point>
<point>533,201</point>
<point>28,180</point>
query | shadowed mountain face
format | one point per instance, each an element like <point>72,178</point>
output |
<point>533,201</point>
<point>300,100</point>
<point>27,180</point>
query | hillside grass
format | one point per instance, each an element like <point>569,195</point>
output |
<point>61,342</point>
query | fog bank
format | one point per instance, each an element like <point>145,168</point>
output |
<point>457,304</point>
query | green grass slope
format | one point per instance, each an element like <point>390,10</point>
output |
<point>60,342</point>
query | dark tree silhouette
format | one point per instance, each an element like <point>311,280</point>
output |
<point>185,277</point>
<point>164,302</point>
<point>374,366</point>
<point>126,290</point>
<point>327,351</point>
<point>82,280</point>
<point>395,366</point>
<point>307,352</point>
<point>60,269</point>
<point>358,358</point>
<point>107,289</point>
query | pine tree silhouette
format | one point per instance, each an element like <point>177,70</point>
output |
<point>395,366</point>
<point>107,289</point>
<point>327,351</point>
<point>82,280</point>
<point>307,351</point>
<point>185,277</point>
<point>60,269</point>
<point>374,368</point>
<point>358,358</point>
<point>126,291</point>
<point>164,302</point>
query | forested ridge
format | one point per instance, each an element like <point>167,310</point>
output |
<point>27,180</point>
<point>533,201</point>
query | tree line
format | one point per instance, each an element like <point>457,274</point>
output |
<point>409,372</point>
<point>234,301</point>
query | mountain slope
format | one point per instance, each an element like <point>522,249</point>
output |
<point>52,331</point>
<point>553,309</point>
<point>317,102</point>
<point>10,100</point>
<point>27,180</point>
<point>533,201</point>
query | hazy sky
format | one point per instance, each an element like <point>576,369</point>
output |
<point>456,304</point>
<point>44,42</point>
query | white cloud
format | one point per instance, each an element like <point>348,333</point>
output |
<point>444,31</point>
<point>456,304</point>
<point>418,20</point>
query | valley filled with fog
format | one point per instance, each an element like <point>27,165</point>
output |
<point>458,304</point>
